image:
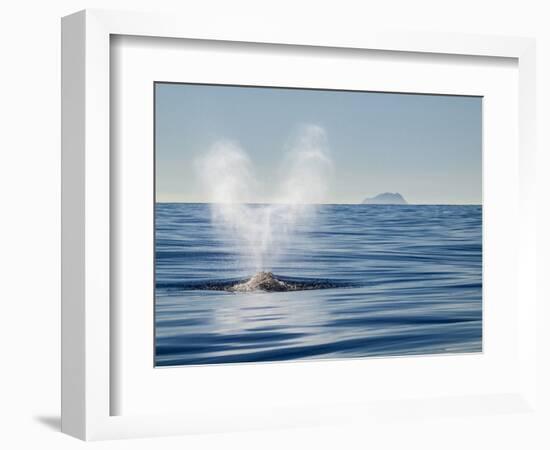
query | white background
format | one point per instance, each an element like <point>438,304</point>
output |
<point>29,177</point>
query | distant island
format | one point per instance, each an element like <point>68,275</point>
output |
<point>387,198</point>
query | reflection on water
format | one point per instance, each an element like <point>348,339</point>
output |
<point>407,281</point>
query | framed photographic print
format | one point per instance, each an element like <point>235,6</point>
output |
<point>267,228</point>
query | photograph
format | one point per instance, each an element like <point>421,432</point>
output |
<point>296,224</point>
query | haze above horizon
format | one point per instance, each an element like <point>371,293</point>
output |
<point>426,147</point>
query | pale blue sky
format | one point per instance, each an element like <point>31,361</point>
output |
<point>426,147</point>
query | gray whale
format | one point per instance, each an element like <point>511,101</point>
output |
<point>262,281</point>
<point>267,282</point>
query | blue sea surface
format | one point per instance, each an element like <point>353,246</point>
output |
<point>407,281</point>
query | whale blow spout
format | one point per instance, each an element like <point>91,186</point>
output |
<point>262,281</point>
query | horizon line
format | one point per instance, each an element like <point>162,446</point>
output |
<point>279,203</point>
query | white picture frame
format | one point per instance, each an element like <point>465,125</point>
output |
<point>87,386</point>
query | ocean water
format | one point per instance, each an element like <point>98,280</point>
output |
<point>399,280</point>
